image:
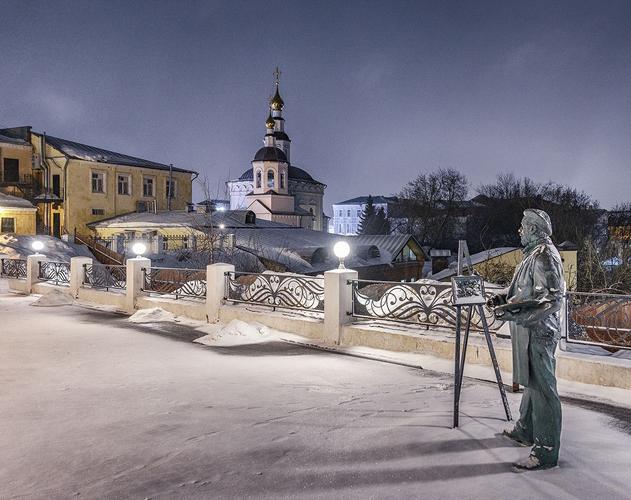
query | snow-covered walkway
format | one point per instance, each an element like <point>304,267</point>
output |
<point>95,406</point>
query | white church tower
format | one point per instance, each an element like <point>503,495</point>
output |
<point>273,188</point>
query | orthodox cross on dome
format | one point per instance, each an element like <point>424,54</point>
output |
<point>276,102</point>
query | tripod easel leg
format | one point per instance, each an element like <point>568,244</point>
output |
<point>457,368</point>
<point>498,375</point>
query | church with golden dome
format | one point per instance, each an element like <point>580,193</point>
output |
<point>274,188</point>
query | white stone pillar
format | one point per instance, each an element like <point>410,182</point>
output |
<point>215,289</point>
<point>337,303</point>
<point>77,273</point>
<point>32,270</point>
<point>134,281</point>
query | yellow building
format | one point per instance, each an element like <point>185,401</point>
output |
<point>17,215</point>
<point>498,264</point>
<point>75,184</point>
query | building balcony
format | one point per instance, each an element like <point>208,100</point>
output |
<point>12,179</point>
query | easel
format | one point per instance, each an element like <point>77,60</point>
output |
<point>460,358</point>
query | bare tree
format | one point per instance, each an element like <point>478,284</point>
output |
<point>431,204</point>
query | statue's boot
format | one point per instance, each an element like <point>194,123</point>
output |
<point>532,463</point>
<point>517,436</point>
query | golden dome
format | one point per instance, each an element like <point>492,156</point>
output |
<point>276,103</point>
<point>269,123</point>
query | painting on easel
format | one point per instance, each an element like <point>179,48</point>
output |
<point>467,290</point>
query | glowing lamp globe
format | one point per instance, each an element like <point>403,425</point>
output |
<point>222,226</point>
<point>341,250</point>
<point>139,249</point>
<point>37,246</point>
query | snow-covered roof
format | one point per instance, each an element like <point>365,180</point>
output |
<point>79,151</point>
<point>476,258</point>
<point>8,201</point>
<point>13,140</point>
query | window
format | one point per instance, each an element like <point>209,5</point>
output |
<point>11,170</point>
<point>124,184</point>
<point>147,186</point>
<point>359,213</point>
<point>98,211</point>
<point>339,213</point>
<point>98,182</point>
<point>258,178</point>
<point>282,181</point>
<point>270,179</point>
<point>171,193</point>
<point>7,225</point>
<point>348,213</point>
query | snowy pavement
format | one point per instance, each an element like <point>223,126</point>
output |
<point>95,406</point>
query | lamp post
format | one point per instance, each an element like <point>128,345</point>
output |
<point>37,245</point>
<point>341,250</point>
<point>139,248</point>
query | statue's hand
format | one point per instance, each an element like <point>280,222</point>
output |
<point>495,300</point>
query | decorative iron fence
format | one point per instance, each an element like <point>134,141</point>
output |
<point>175,281</point>
<point>599,319</point>
<point>105,276</point>
<point>57,273</point>
<point>423,303</point>
<point>305,293</point>
<point>13,268</point>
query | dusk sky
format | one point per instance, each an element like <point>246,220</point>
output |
<point>375,92</point>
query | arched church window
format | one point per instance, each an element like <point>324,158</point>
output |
<point>282,180</point>
<point>270,179</point>
<point>258,178</point>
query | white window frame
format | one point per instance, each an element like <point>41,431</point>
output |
<point>128,176</point>
<point>153,186</point>
<point>103,181</point>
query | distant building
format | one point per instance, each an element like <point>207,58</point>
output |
<point>17,215</point>
<point>260,244</point>
<point>346,214</point>
<point>274,188</point>
<point>73,184</point>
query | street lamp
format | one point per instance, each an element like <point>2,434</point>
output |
<point>222,226</point>
<point>341,251</point>
<point>139,248</point>
<point>37,246</point>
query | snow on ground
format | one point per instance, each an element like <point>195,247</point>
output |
<point>152,315</point>
<point>236,332</point>
<point>54,298</point>
<point>19,246</point>
<point>95,406</point>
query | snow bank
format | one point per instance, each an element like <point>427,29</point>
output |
<point>19,246</point>
<point>236,332</point>
<point>153,315</point>
<point>54,298</point>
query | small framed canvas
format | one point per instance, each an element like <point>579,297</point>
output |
<point>467,290</point>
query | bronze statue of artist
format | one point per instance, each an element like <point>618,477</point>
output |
<point>532,305</point>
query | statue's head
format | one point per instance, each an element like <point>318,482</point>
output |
<point>534,226</point>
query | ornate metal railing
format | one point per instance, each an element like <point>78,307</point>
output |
<point>174,281</point>
<point>57,273</point>
<point>598,319</point>
<point>426,303</point>
<point>105,276</point>
<point>13,268</point>
<point>305,293</point>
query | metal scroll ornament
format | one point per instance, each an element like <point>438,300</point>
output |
<point>427,304</point>
<point>277,290</point>
<point>57,273</point>
<point>14,268</point>
<point>105,276</point>
<point>175,281</point>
